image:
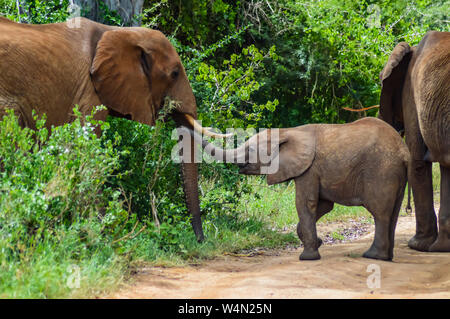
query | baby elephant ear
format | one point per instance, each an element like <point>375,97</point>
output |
<point>297,148</point>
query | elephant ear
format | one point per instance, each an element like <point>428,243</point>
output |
<point>392,78</point>
<point>297,149</point>
<point>120,74</point>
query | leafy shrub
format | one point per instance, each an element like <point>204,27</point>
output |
<point>55,181</point>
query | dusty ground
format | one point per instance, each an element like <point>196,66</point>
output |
<point>341,273</point>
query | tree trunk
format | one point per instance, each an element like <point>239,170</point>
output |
<point>128,10</point>
<point>20,4</point>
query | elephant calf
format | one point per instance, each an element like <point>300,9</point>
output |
<point>363,163</point>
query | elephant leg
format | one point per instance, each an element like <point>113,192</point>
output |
<point>385,217</point>
<point>306,203</point>
<point>393,222</point>
<point>420,178</point>
<point>380,245</point>
<point>323,207</point>
<point>442,242</point>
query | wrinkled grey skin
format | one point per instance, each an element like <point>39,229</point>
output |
<point>415,97</point>
<point>363,163</point>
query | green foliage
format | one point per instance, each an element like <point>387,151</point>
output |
<point>49,182</point>
<point>227,102</point>
<point>106,16</point>
<point>147,174</point>
<point>53,197</point>
<point>38,12</point>
<point>197,23</point>
<point>8,9</point>
<point>329,52</point>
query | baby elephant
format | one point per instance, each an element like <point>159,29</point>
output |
<point>363,163</point>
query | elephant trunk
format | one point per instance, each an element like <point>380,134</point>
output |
<point>234,156</point>
<point>189,172</point>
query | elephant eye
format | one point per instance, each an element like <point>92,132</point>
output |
<point>174,74</point>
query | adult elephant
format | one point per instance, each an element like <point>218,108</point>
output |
<point>50,68</point>
<point>415,97</point>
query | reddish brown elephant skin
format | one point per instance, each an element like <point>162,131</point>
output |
<point>415,97</point>
<point>50,68</point>
<point>363,163</point>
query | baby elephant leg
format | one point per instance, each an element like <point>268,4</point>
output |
<point>323,207</point>
<point>306,202</point>
<point>301,237</point>
<point>310,241</point>
<point>385,221</point>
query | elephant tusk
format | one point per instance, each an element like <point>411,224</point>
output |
<point>200,129</point>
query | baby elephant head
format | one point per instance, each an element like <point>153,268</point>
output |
<point>259,155</point>
<point>281,154</point>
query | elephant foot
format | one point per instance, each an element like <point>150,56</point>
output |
<point>309,255</point>
<point>374,254</point>
<point>421,243</point>
<point>441,245</point>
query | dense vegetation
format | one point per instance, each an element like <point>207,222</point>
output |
<point>72,203</point>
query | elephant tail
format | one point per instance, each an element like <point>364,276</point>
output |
<point>408,205</point>
<point>406,159</point>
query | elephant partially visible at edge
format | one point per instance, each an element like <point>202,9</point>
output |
<point>415,98</point>
<point>51,68</point>
<point>363,163</point>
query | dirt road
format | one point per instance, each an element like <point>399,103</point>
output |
<point>341,273</point>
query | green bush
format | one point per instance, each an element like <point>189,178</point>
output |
<point>53,200</point>
<point>56,181</point>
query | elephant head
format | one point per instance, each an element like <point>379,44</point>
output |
<point>133,71</point>
<point>392,78</point>
<point>281,154</point>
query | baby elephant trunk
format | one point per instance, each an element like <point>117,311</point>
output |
<point>233,156</point>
